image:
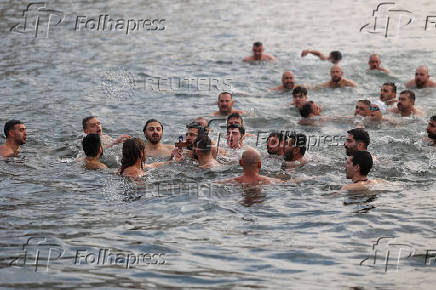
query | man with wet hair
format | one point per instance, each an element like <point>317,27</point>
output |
<point>294,151</point>
<point>406,105</point>
<point>288,82</point>
<point>202,151</point>
<point>299,96</point>
<point>357,168</point>
<point>275,143</point>
<point>431,132</point>
<point>153,131</point>
<point>337,80</point>
<point>258,54</point>
<point>235,118</point>
<point>235,136</point>
<point>357,140</point>
<point>362,108</point>
<point>225,105</point>
<point>334,57</point>
<point>374,63</point>
<point>388,94</point>
<point>91,125</point>
<point>93,150</point>
<point>422,79</point>
<point>251,163</point>
<point>15,133</point>
<point>310,109</point>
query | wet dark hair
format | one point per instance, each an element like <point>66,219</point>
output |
<point>306,109</point>
<point>276,134</point>
<point>203,143</point>
<point>257,44</point>
<point>237,126</point>
<point>366,102</point>
<point>300,140</point>
<point>433,118</point>
<point>225,93</point>
<point>360,135</point>
<point>85,121</point>
<point>392,85</point>
<point>299,90</point>
<point>410,93</point>
<point>9,125</point>
<point>151,121</point>
<point>195,125</point>
<point>364,160</point>
<point>336,55</point>
<point>132,149</point>
<point>235,115</point>
<point>91,144</point>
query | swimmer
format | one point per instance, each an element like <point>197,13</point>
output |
<point>357,140</point>
<point>225,105</point>
<point>235,118</point>
<point>431,132</point>
<point>275,144</point>
<point>294,151</point>
<point>376,111</point>
<point>334,57</point>
<point>388,94</point>
<point>288,82</point>
<point>357,167</point>
<point>15,133</point>
<point>133,158</point>
<point>202,151</point>
<point>375,63</point>
<point>258,54</point>
<point>91,125</point>
<point>251,163</point>
<point>337,81</point>
<point>422,79</point>
<point>93,150</point>
<point>309,111</point>
<point>406,105</point>
<point>362,108</point>
<point>235,136</point>
<point>299,96</point>
<point>153,131</point>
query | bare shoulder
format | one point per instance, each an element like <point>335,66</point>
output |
<point>355,186</point>
<point>248,58</point>
<point>431,84</point>
<point>350,83</point>
<point>410,84</point>
<point>6,151</point>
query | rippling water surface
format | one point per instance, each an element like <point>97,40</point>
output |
<point>194,232</point>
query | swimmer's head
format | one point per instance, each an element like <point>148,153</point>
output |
<point>153,131</point>
<point>310,109</point>
<point>225,103</point>
<point>374,61</point>
<point>357,140</point>
<point>335,57</point>
<point>202,146</point>
<point>257,50</point>
<point>358,163</point>
<point>91,144</point>
<point>16,131</point>
<point>274,142</point>
<point>431,128</point>
<point>251,160</point>
<point>375,113</point>
<point>388,92</point>
<point>235,118</point>
<point>362,108</point>
<point>299,94</point>
<point>288,80</point>
<point>295,147</point>
<point>421,76</point>
<point>406,100</point>
<point>194,131</point>
<point>336,73</point>
<point>235,135</point>
<point>133,149</point>
<point>91,125</point>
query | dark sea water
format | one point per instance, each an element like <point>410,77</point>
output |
<point>179,228</point>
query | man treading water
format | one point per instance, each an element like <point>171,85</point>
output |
<point>431,132</point>
<point>334,57</point>
<point>374,63</point>
<point>258,54</point>
<point>388,94</point>
<point>15,133</point>
<point>357,167</point>
<point>93,150</point>
<point>225,105</point>
<point>153,131</point>
<point>422,79</point>
<point>406,105</point>
<point>299,96</point>
<point>337,81</point>
<point>91,125</point>
<point>288,82</point>
<point>357,140</point>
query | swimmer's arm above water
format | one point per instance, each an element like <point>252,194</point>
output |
<point>314,52</point>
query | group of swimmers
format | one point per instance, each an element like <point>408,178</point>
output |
<point>291,147</point>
